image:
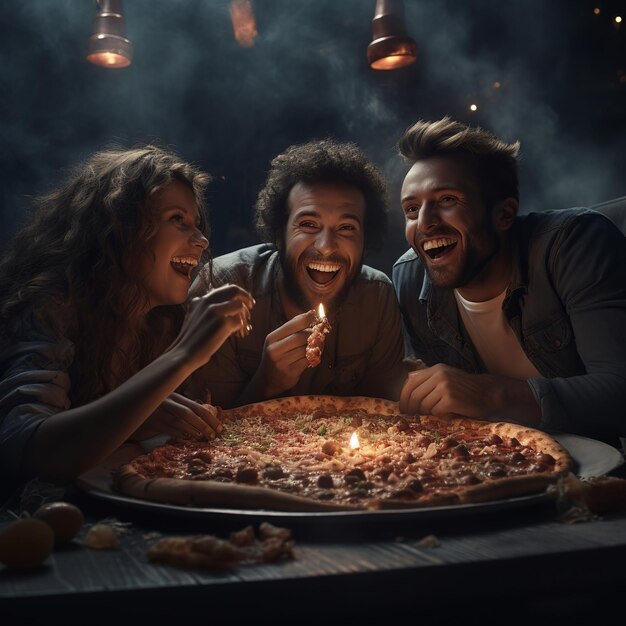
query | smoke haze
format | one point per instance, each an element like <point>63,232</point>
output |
<point>231,109</point>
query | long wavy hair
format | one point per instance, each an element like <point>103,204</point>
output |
<point>71,265</point>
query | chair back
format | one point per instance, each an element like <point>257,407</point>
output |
<point>615,210</point>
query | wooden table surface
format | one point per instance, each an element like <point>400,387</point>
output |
<point>523,561</point>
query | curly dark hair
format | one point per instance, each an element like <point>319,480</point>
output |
<point>321,161</point>
<point>494,160</point>
<point>72,263</point>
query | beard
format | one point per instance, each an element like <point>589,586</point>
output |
<point>471,264</point>
<point>307,301</point>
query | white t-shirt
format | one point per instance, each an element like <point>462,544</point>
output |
<point>494,339</point>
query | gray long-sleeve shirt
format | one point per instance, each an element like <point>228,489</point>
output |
<point>362,355</point>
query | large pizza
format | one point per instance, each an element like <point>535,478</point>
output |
<point>325,453</point>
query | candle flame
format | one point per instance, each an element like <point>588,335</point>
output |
<point>321,313</point>
<point>244,24</point>
<point>354,441</point>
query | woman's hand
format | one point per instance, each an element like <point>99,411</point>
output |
<point>211,319</point>
<point>181,418</point>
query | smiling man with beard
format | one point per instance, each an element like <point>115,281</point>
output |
<point>322,207</point>
<point>517,317</point>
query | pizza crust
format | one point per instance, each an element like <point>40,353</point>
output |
<point>201,494</point>
<point>281,407</point>
<point>538,440</point>
<point>511,487</point>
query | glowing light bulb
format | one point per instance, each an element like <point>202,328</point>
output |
<point>108,45</point>
<point>244,23</point>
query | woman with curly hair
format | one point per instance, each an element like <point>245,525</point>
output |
<point>96,332</point>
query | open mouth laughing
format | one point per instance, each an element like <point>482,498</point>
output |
<point>184,264</point>
<point>439,247</point>
<point>322,272</point>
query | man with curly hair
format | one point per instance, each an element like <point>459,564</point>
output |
<point>323,205</point>
<point>518,317</point>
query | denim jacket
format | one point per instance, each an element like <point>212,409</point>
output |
<point>566,304</point>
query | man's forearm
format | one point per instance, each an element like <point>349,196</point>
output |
<point>586,405</point>
<point>257,390</point>
<point>514,400</point>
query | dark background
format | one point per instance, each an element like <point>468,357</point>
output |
<point>192,87</point>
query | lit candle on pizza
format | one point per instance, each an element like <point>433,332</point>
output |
<point>354,441</point>
<point>315,341</point>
